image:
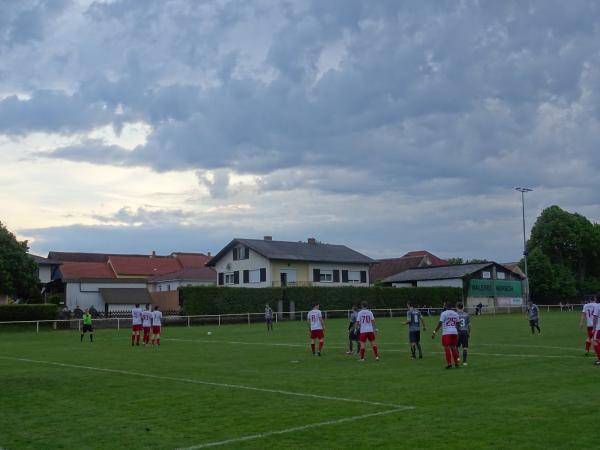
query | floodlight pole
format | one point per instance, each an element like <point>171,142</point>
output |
<point>523,190</point>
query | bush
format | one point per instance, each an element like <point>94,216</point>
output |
<point>197,300</point>
<point>27,312</point>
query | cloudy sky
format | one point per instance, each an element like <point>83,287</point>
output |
<point>389,126</point>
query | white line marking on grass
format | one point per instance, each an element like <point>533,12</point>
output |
<point>532,346</point>
<point>208,383</point>
<point>294,429</point>
<point>383,350</point>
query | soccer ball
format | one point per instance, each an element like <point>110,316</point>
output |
<point>209,333</point>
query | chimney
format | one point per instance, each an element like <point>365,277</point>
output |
<point>311,240</point>
<point>153,255</point>
<point>268,238</point>
<point>208,254</point>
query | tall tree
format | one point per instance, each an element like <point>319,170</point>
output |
<point>18,271</point>
<point>566,247</point>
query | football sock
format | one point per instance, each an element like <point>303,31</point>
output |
<point>588,344</point>
<point>413,351</point>
<point>137,339</point>
<point>448,355</point>
<point>132,339</point>
<point>420,351</point>
<point>81,340</point>
<point>464,355</point>
<point>158,341</point>
<point>375,350</point>
<point>455,355</point>
<point>312,347</point>
<point>350,346</point>
<point>320,346</point>
<point>362,353</point>
<point>597,349</point>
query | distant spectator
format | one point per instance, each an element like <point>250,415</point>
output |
<point>478,309</point>
<point>562,306</point>
<point>94,312</point>
<point>77,312</point>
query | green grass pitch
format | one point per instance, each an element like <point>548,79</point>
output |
<point>244,388</point>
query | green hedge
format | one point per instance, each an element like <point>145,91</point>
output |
<point>223,300</point>
<point>27,312</point>
<point>219,300</point>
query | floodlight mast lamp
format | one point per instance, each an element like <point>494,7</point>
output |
<point>523,190</point>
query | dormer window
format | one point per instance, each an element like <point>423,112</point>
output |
<point>241,252</point>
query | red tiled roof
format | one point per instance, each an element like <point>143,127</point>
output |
<point>75,270</point>
<point>192,259</point>
<point>384,268</point>
<point>190,273</point>
<point>144,265</point>
<point>435,261</point>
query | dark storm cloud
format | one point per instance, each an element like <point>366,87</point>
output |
<point>428,101</point>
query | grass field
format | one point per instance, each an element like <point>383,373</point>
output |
<point>245,389</point>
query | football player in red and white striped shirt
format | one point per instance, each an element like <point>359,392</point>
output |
<point>316,328</point>
<point>448,322</point>
<point>366,322</point>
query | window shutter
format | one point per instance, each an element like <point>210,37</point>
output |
<point>336,276</point>
<point>344,276</point>
<point>220,278</point>
<point>236,277</point>
<point>263,275</point>
<point>316,275</point>
<point>246,276</point>
<point>246,252</point>
<point>235,254</point>
<point>363,276</point>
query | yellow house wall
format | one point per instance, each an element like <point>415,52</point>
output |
<point>301,269</point>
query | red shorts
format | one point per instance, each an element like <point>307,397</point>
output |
<point>590,331</point>
<point>156,329</point>
<point>597,335</point>
<point>450,340</point>
<point>146,331</point>
<point>137,327</point>
<point>362,337</point>
<point>316,334</point>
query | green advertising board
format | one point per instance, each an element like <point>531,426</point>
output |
<point>494,288</point>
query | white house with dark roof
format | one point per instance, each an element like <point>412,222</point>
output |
<point>265,263</point>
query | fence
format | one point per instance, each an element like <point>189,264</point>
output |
<point>250,318</point>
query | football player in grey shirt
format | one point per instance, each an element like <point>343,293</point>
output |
<point>464,330</point>
<point>414,320</point>
<point>353,332</point>
<point>534,316</point>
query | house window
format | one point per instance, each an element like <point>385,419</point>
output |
<point>354,276</point>
<point>254,276</point>
<point>486,274</point>
<point>240,253</point>
<point>229,278</point>
<point>160,287</point>
<point>501,275</point>
<point>326,276</point>
<point>168,287</point>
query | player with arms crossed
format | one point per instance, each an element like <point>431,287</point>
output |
<point>316,328</point>
<point>449,322</point>
<point>147,324</point>
<point>136,324</point>
<point>414,320</point>
<point>464,330</point>
<point>365,320</point>
<point>587,315</point>
<point>156,325</point>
